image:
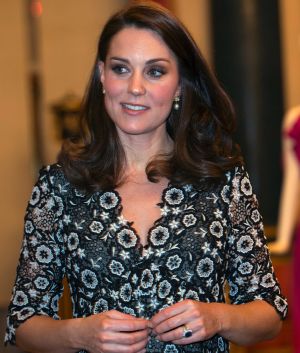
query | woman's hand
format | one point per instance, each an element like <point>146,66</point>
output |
<point>201,318</point>
<point>113,331</point>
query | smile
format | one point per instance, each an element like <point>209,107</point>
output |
<point>134,107</point>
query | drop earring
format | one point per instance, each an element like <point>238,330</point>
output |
<point>176,103</point>
<point>103,91</point>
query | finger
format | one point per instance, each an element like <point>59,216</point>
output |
<point>177,335</point>
<point>115,314</point>
<point>120,347</point>
<point>169,312</point>
<point>126,325</point>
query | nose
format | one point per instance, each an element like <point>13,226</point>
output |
<point>136,85</point>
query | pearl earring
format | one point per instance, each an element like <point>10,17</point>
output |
<point>176,103</point>
<point>103,91</point>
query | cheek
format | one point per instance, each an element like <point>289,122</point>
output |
<point>113,87</point>
<point>164,96</point>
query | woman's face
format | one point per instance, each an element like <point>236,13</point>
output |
<point>141,79</point>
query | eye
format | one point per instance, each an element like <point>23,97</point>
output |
<point>156,72</point>
<point>119,69</point>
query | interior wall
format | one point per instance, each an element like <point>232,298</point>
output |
<point>69,37</point>
<point>290,30</point>
<point>196,17</point>
<point>15,139</point>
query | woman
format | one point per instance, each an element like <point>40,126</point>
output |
<point>289,218</point>
<point>149,214</point>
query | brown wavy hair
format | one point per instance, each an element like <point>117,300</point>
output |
<point>202,129</point>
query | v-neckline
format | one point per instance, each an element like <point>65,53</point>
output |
<point>130,224</point>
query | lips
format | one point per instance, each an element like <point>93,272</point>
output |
<point>134,107</point>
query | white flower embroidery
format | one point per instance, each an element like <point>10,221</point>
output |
<point>108,200</point>
<point>189,220</point>
<point>35,196</point>
<point>96,227</point>
<point>205,267</point>
<point>246,186</point>
<point>245,244</point>
<point>89,279</point>
<point>174,262</point>
<point>174,196</point>
<point>127,238</point>
<point>44,254</point>
<point>73,241</point>
<point>216,229</point>
<point>159,235</point>
<point>116,267</point>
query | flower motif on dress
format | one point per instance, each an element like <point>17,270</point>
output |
<point>116,267</point>
<point>29,228</point>
<point>189,220</point>
<point>245,244</point>
<point>35,196</point>
<point>73,241</point>
<point>96,227</point>
<point>170,348</point>
<point>225,193</point>
<point>126,292</point>
<point>205,267</point>
<point>174,196</point>
<point>164,289</point>
<point>221,344</point>
<point>147,279</point>
<point>44,254</point>
<point>216,229</point>
<point>246,186</point>
<point>109,200</point>
<point>268,281</point>
<point>174,262</point>
<point>245,268</point>
<point>100,306</point>
<point>41,282</point>
<point>89,279</point>
<point>127,238</point>
<point>54,302</point>
<point>159,235</point>
<point>129,311</point>
<point>281,304</point>
<point>255,216</point>
<point>20,298</point>
<point>25,313</point>
<point>191,294</point>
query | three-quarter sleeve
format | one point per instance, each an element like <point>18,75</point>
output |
<point>250,272</point>
<point>38,284</point>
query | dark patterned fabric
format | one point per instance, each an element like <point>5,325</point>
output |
<point>204,239</point>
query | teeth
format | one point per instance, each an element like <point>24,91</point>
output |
<point>134,107</point>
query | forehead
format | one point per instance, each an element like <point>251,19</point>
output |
<point>134,41</point>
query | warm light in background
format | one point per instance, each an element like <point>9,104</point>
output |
<point>36,8</point>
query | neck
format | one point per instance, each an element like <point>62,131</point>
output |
<point>140,151</point>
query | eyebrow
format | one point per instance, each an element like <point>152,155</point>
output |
<point>151,61</point>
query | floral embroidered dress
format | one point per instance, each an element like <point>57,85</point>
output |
<point>205,238</point>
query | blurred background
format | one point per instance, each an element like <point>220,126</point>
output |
<point>47,48</point>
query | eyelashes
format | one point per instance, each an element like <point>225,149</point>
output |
<point>153,72</point>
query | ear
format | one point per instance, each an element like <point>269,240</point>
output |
<point>101,70</point>
<point>178,91</point>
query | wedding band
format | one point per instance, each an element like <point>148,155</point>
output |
<point>187,332</point>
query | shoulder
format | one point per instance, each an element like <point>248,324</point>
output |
<point>238,183</point>
<point>52,172</point>
<point>52,178</point>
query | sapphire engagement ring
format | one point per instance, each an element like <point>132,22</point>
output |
<point>187,332</point>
